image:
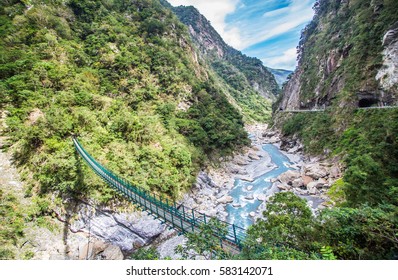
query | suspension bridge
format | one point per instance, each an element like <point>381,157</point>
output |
<point>181,218</point>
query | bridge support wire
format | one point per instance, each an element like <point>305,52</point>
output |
<point>185,220</point>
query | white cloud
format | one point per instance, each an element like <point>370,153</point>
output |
<point>244,24</point>
<point>216,11</point>
<point>277,22</point>
<point>287,60</point>
<point>275,13</point>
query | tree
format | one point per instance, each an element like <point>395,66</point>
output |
<point>364,182</point>
<point>287,226</point>
<point>363,233</point>
<point>206,243</point>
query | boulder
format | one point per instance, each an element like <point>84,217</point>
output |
<point>249,197</point>
<point>112,252</point>
<point>273,140</point>
<point>315,171</point>
<point>269,134</point>
<point>289,176</point>
<point>225,200</point>
<point>247,179</point>
<point>261,197</point>
<point>311,189</point>
<point>283,187</point>
<point>298,183</point>
<point>335,172</point>
<point>293,150</point>
<point>252,214</point>
<point>318,184</point>
<point>91,250</point>
<point>249,188</point>
<point>307,180</point>
<point>253,156</point>
<point>300,191</point>
<point>240,161</point>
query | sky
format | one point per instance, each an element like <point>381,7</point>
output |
<point>267,29</point>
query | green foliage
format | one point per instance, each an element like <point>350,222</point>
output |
<point>315,129</point>
<point>28,255</point>
<point>368,143</point>
<point>362,233</point>
<point>145,254</point>
<point>289,231</point>
<point>206,242</point>
<point>288,222</point>
<point>327,253</point>
<point>336,192</point>
<point>11,225</point>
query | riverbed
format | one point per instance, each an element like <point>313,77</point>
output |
<point>249,195</point>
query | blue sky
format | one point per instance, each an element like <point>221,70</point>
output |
<point>267,29</point>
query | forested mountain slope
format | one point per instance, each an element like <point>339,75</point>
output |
<point>125,78</point>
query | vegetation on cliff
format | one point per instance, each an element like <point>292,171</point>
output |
<point>124,77</point>
<point>340,51</point>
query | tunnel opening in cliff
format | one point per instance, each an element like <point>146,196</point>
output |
<point>367,102</point>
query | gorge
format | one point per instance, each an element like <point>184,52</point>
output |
<point>155,94</point>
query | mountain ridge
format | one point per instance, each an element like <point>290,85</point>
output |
<point>246,76</point>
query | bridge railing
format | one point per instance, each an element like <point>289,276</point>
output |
<point>156,205</point>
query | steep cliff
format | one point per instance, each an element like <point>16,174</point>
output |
<point>245,77</point>
<point>343,58</point>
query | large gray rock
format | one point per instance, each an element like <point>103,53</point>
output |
<point>169,241</point>
<point>112,252</point>
<point>315,171</point>
<point>204,181</point>
<point>289,176</point>
<point>318,184</point>
<point>297,183</point>
<point>125,230</point>
<point>312,189</point>
<point>89,251</point>
<point>225,200</point>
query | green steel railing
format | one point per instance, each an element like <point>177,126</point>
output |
<point>182,218</point>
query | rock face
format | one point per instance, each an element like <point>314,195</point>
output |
<point>388,74</point>
<point>339,54</point>
<point>128,231</point>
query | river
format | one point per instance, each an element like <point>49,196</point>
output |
<point>245,193</point>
